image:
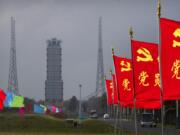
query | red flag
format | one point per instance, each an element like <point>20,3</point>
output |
<point>115,93</point>
<point>1,104</point>
<point>109,91</point>
<point>2,98</point>
<point>146,74</point>
<point>170,58</point>
<point>124,80</point>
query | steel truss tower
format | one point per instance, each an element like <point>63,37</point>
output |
<point>13,81</point>
<point>100,84</point>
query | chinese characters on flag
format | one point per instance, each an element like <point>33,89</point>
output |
<point>170,58</point>
<point>146,74</point>
<point>123,70</point>
<point>109,90</point>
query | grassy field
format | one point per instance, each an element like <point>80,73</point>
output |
<point>13,124</point>
<point>40,125</point>
<point>5,133</point>
<point>46,125</point>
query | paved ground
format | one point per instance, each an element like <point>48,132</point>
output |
<point>128,126</point>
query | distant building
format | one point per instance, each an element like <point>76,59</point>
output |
<point>54,82</point>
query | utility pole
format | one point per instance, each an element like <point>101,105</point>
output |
<point>80,86</point>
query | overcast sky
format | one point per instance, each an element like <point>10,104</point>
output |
<point>75,22</point>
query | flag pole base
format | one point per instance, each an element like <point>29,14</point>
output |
<point>178,122</point>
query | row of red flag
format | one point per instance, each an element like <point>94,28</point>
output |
<point>137,81</point>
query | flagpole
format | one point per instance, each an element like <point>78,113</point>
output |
<point>120,120</point>
<point>108,106</point>
<point>110,111</point>
<point>160,68</point>
<point>114,107</point>
<point>115,112</point>
<point>118,106</point>
<point>177,114</point>
<point>135,116</point>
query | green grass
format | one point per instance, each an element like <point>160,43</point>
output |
<point>11,124</point>
<point>5,133</point>
<point>36,124</point>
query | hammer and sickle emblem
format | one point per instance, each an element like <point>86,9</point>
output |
<point>147,55</point>
<point>176,34</point>
<point>126,66</point>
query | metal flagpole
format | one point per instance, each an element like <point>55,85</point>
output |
<point>116,119</point>
<point>114,107</point>
<point>108,106</point>
<point>135,116</point>
<point>111,111</point>
<point>120,118</point>
<point>160,67</point>
<point>177,114</point>
<point>118,107</point>
<point>117,113</point>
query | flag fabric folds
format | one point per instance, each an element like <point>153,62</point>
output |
<point>21,111</point>
<point>18,102</point>
<point>44,107</point>
<point>38,109</point>
<point>123,69</point>
<point>2,98</point>
<point>146,74</point>
<point>109,91</point>
<point>170,58</point>
<point>1,105</point>
<point>2,95</point>
<point>9,99</point>
<point>53,109</point>
<point>115,94</point>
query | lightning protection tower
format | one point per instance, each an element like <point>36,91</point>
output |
<point>100,84</point>
<point>13,81</point>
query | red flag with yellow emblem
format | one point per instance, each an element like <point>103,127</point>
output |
<point>146,74</point>
<point>170,58</point>
<point>125,90</point>
<point>109,91</point>
<point>115,93</point>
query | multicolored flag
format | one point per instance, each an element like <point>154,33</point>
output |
<point>21,111</point>
<point>43,106</point>
<point>2,98</point>
<point>123,70</point>
<point>38,109</point>
<point>18,102</point>
<point>53,109</point>
<point>109,91</point>
<point>9,99</point>
<point>170,58</point>
<point>146,74</point>
<point>115,93</point>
